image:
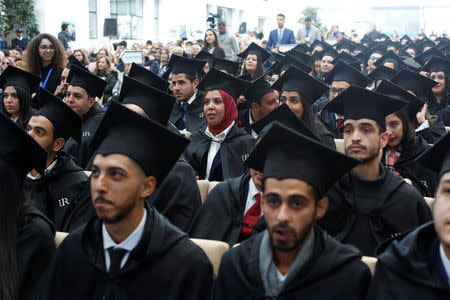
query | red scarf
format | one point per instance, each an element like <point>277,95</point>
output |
<point>231,113</point>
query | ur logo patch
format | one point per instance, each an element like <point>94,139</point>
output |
<point>86,133</point>
<point>63,202</point>
<point>201,115</point>
<point>244,157</point>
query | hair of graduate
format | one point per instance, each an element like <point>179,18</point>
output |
<point>313,190</point>
<point>18,49</point>
<point>409,137</point>
<point>216,41</point>
<point>190,76</point>
<point>24,104</point>
<point>446,99</point>
<point>32,59</point>
<point>85,59</point>
<point>259,66</point>
<point>281,15</point>
<point>64,26</point>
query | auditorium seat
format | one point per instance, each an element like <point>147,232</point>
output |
<point>59,237</point>
<point>205,188</point>
<point>429,201</point>
<point>371,262</point>
<point>214,250</point>
<point>340,145</point>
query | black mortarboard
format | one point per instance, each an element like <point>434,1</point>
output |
<point>147,77</point>
<point>205,56</point>
<point>277,56</point>
<point>438,64</point>
<point>389,43</point>
<point>412,81</point>
<point>217,80</point>
<point>13,76</point>
<point>424,57</point>
<point>92,84</point>
<point>257,89</point>
<point>259,51</point>
<point>422,44</point>
<point>20,150</point>
<point>300,48</point>
<point>287,61</point>
<point>412,64</point>
<point>406,37</point>
<point>344,72</point>
<point>152,146</point>
<point>66,121</point>
<point>330,52</point>
<point>319,43</point>
<point>179,64</point>
<point>317,56</point>
<point>359,103</point>
<point>360,47</point>
<point>390,57</point>
<point>362,58</point>
<point>73,61</point>
<point>410,45</point>
<point>345,44</point>
<point>279,156</point>
<point>246,77</point>
<point>285,116</point>
<point>222,64</point>
<point>377,49</point>
<point>415,104</point>
<point>303,57</point>
<point>382,72</point>
<point>446,50</point>
<point>307,86</point>
<point>349,60</point>
<point>155,103</point>
<point>437,158</point>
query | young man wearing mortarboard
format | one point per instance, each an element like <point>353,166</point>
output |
<point>370,203</point>
<point>128,250</point>
<point>84,87</point>
<point>293,258</point>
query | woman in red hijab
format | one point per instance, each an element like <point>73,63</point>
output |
<point>218,150</point>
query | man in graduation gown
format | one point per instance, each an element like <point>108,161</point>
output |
<point>416,265</point>
<point>293,258</point>
<point>369,203</point>
<point>128,250</point>
<point>54,192</point>
<point>84,87</point>
<point>187,112</point>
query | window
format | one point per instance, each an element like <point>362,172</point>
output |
<point>92,19</point>
<point>129,18</point>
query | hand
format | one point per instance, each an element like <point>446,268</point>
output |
<point>426,74</point>
<point>275,50</point>
<point>197,178</point>
<point>58,89</point>
<point>421,115</point>
<point>408,181</point>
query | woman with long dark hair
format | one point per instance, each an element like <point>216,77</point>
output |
<point>105,71</point>
<point>212,44</point>
<point>439,98</point>
<point>254,57</point>
<point>81,57</point>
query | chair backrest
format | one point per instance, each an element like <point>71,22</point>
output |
<point>371,262</point>
<point>429,201</point>
<point>340,145</point>
<point>214,250</point>
<point>59,237</point>
<point>205,187</point>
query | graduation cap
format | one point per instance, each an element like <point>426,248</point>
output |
<point>13,76</point>
<point>345,44</point>
<point>349,60</point>
<point>412,81</point>
<point>319,43</point>
<point>359,103</point>
<point>279,156</point>
<point>246,77</point>
<point>317,56</point>
<point>411,45</point>
<point>422,44</point>
<point>382,72</point>
<point>73,61</point>
<point>344,72</point>
<point>156,104</point>
<point>360,47</point>
<point>377,49</point>
<point>300,48</point>
<point>179,64</point>
<point>147,77</point>
<point>92,84</point>
<point>424,57</point>
<point>446,50</point>
<point>259,51</point>
<point>303,57</point>
<point>65,120</point>
<point>152,146</point>
<point>362,58</point>
<point>19,150</point>
<point>411,64</point>
<point>257,89</point>
<point>437,158</point>
<point>329,52</point>
<point>438,64</point>
<point>389,43</point>
<point>406,37</point>
<point>217,80</point>
<point>287,61</point>
<point>205,56</point>
<point>229,66</point>
<point>277,56</point>
<point>297,80</point>
<point>415,104</point>
<point>390,57</point>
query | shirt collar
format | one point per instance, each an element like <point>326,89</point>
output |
<point>250,119</point>
<point>191,99</point>
<point>445,262</point>
<point>130,242</point>
<point>221,136</point>
<point>252,190</point>
<point>38,176</point>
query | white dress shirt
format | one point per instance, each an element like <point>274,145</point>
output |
<point>445,262</point>
<point>250,122</point>
<point>191,99</point>
<point>128,244</point>
<point>38,176</point>
<point>251,199</point>
<point>215,146</point>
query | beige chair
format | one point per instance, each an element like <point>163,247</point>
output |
<point>59,237</point>
<point>447,128</point>
<point>205,188</point>
<point>429,201</point>
<point>213,250</point>
<point>340,145</point>
<point>371,262</point>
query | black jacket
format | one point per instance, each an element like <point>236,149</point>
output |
<point>163,265</point>
<point>435,132</point>
<point>81,153</point>
<point>234,151</point>
<point>329,120</point>
<point>410,267</point>
<point>365,213</point>
<point>110,79</point>
<point>195,118</point>
<point>334,272</point>
<point>53,193</point>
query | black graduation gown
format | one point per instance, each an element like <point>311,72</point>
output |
<point>35,254</point>
<point>409,267</point>
<point>164,265</point>
<point>435,132</point>
<point>234,150</point>
<point>326,136</point>
<point>365,213</point>
<point>79,211</point>
<point>195,118</point>
<point>178,197</point>
<point>54,79</point>
<point>221,216</point>
<point>53,193</point>
<point>244,119</point>
<point>322,277</point>
<point>440,109</point>
<point>82,153</point>
<point>422,178</point>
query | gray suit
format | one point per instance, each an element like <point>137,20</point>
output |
<point>314,34</point>
<point>230,45</point>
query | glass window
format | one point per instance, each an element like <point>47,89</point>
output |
<point>129,18</point>
<point>92,19</point>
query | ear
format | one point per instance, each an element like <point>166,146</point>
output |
<point>148,187</point>
<point>321,207</point>
<point>58,144</point>
<point>384,138</point>
<point>91,101</point>
<point>254,106</point>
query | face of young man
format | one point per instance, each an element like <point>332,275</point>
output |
<point>41,130</point>
<point>293,101</point>
<point>78,99</point>
<point>441,212</point>
<point>290,210</point>
<point>183,88</point>
<point>337,87</point>
<point>268,103</point>
<point>326,65</point>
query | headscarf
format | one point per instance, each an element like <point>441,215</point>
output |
<point>230,115</point>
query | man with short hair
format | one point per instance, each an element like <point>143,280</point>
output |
<point>327,62</point>
<point>308,34</point>
<point>228,42</point>
<point>281,35</point>
<point>63,36</point>
<point>374,54</point>
<point>127,250</point>
<point>293,258</point>
<point>369,203</point>
<point>19,41</point>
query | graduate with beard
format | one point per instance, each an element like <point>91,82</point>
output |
<point>293,258</point>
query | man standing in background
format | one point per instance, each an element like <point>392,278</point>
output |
<point>228,42</point>
<point>19,41</point>
<point>281,35</point>
<point>63,36</point>
<point>307,34</point>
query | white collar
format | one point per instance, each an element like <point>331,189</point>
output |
<point>445,262</point>
<point>38,176</point>
<point>130,242</point>
<point>221,136</point>
<point>15,119</point>
<point>252,190</point>
<point>250,119</point>
<point>282,29</point>
<point>192,98</point>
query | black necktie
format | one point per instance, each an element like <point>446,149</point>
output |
<point>115,256</point>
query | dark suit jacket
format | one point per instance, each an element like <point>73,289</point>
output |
<point>287,38</point>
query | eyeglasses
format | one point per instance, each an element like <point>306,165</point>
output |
<point>5,63</point>
<point>45,47</point>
